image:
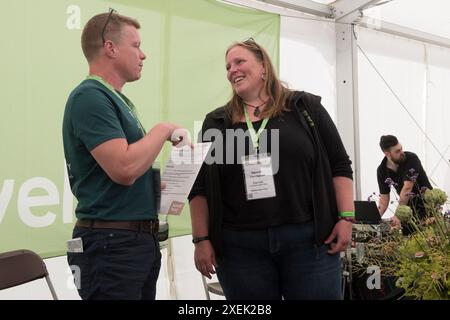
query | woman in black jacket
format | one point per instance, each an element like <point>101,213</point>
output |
<point>272,206</point>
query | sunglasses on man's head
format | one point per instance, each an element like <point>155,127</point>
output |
<point>249,41</point>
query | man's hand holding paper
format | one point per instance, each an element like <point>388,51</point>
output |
<point>179,175</point>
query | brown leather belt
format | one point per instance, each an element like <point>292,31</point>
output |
<point>148,226</point>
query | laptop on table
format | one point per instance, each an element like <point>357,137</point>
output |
<point>366,212</point>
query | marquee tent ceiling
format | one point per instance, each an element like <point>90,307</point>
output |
<point>429,16</point>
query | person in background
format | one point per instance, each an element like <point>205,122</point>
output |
<point>403,171</point>
<point>109,156</point>
<point>271,231</point>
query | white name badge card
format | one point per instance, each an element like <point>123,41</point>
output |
<point>258,176</point>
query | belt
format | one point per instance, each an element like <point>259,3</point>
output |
<point>148,226</point>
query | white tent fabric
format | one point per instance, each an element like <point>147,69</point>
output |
<point>416,73</point>
<point>402,64</point>
<point>428,16</point>
<point>308,58</point>
<point>438,115</point>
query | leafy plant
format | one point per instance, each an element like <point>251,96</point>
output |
<point>420,261</point>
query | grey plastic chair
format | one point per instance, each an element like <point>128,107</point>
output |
<point>213,287</point>
<point>22,266</point>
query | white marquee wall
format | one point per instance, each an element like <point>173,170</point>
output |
<point>308,58</point>
<point>418,74</point>
<point>438,116</point>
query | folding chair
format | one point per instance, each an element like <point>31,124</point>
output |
<point>213,287</point>
<point>22,266</point>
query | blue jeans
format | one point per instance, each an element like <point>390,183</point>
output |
<point>116,264</point>
<point>280,262</point>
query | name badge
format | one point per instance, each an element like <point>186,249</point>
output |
<point>258,176</point>
<point>75,245</point>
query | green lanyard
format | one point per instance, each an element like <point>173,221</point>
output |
<point>123,98</point>
<point>253,134</point>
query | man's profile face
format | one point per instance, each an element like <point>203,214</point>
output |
<point>130,56</point>
<point>396,154</point>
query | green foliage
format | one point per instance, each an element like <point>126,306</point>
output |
<point>435,197</point>
<point>421,261</point>
<point>404,213</point>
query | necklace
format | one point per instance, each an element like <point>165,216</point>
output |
<point>256,112</point>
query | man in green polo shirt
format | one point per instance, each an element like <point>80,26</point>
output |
<point>109,157</point>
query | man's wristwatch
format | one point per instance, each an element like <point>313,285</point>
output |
<point>198,239</point>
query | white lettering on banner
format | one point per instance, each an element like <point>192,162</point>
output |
<point>5,196</point>
<point>74,20</point>
<point>25,202</point>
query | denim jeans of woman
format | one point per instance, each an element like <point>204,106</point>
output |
<point>279,262</point>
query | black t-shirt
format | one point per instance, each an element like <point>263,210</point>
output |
<point>410,170</point>
<point>304,184</point>
<point>293,170</point>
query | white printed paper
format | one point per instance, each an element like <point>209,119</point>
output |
<point>179,176</point>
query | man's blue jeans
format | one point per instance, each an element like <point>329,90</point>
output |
<point>278,262</point>
<point>116,264</point>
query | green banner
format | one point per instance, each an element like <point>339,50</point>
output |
<point>41,61</point>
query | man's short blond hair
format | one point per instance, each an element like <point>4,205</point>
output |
<point>91,38</point>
